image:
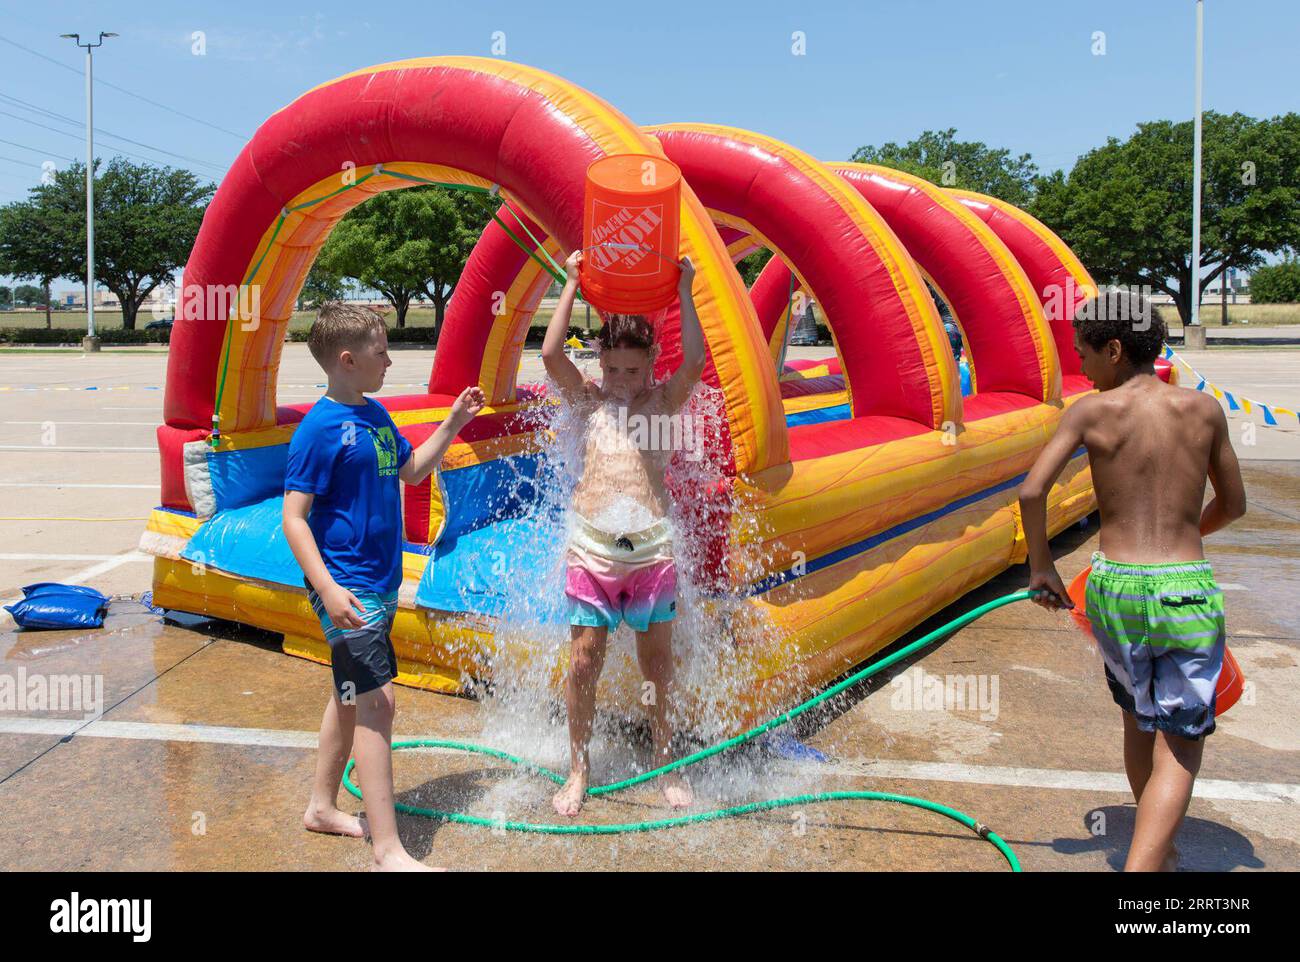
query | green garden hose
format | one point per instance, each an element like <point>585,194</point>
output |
<point>767,805</point>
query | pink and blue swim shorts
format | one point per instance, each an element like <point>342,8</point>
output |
<point>621,577</point>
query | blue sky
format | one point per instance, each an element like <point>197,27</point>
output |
<point>1013,73</point>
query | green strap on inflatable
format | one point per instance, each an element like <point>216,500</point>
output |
<point>650,826</point>
<point>789,316</point>
<point>549,264</point>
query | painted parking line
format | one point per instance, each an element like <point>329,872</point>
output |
<point>1001,776</point>
<point>153,731</point>
<point>67,484</point>
<point>60,448</point>
<point>97,424</point>
<point>105,563</point>
<point>1051,778</point>
<point>119,558</point>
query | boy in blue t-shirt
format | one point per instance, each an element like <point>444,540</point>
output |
<point>342,519</point>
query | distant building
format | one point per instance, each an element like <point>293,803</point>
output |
<point>161,301</point>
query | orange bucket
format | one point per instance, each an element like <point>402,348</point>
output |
<point>629,233</point>
<point>1231,679</point>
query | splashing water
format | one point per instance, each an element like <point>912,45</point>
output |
<point>721,638</point>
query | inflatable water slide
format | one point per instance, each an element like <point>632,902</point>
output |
<point>874,491</point>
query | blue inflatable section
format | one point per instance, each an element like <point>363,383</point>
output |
<point>247,541</point>
<point>474,571</point>
<point>964,367</point>
<point>488,492</point>
<point>245,536</point>
<point>839,412</point>
<point>488,538</point>
<point>249,475</point>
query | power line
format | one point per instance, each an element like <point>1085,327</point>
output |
<point>65,133</point>
<point>38,109</point>
<point>129,93</point>
<point>23,104</point>
<point>68,133</point>
<point>38,150</point>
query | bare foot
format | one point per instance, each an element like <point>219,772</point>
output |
<point>1170,864</point>
<point>568,800</point>
<point>331,821</point>
<point>401,861</point>
<point>677,790</point>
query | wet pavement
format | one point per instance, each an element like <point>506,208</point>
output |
<point>203,755</point>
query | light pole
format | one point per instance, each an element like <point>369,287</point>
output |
<point>91,342</point>
<point>1194,336</point>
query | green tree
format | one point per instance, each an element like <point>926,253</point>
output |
<point>460,224</point>
<point>939,157</point>
<point>1125,208</point>
<point>751,265</point>
<point>1276,283</point>
<point>6,298</point>
<point>32,248</point>
<point>146,219</point>
<point>406,244</point>
<point>25,295</point>
<point>320,286</point>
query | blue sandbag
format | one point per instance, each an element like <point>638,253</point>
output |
<point>54,606</point>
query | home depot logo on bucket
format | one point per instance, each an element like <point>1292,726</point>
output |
<point>630,233</point>
<point>626,239</point>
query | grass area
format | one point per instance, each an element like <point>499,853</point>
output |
<point>1259,315</point>
<point>76,349</point>
<point>75,320</point>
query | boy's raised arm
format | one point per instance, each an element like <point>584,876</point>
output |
<point>1229,501</point>
<point>1033,505</point>
<point>678,388</point>
<point>429,454</point>
<point>562,370</point>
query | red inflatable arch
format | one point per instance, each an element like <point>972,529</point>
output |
<point>990,296</point>
<point>765,193</point>
<point>465,120</point>
<point>1059,278</point>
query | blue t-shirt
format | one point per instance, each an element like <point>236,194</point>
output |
<point>348,456</point>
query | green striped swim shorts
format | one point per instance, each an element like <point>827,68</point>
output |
<point>1160,628</point>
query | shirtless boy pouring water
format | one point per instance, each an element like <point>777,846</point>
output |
<point>620,557</point>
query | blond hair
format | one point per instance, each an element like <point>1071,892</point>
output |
<point>341,327</point>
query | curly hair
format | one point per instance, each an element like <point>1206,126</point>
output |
<point>1124,317</point>
<point>626,330</point>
